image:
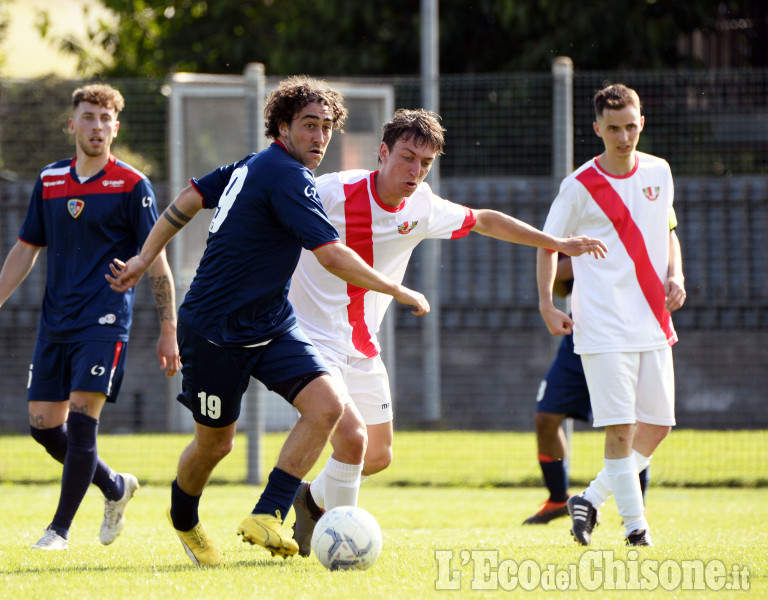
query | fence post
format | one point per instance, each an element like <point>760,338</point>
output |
<point>255,86</point>
<point>430,272</point>
<point>562,165</point>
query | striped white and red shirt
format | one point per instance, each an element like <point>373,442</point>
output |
<point>341,316</point>
<point>618,302</point>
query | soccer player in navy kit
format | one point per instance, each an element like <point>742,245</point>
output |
<point>236,321</point>
<point>86,210</point>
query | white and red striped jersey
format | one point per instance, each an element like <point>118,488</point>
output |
<point>346,318</point>
<point>618,301</point>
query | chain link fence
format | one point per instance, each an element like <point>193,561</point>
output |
<point>712,126</point>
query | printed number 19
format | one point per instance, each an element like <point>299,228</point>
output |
<point>210,406</point>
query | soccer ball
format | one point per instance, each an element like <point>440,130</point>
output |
<point>347,537</point>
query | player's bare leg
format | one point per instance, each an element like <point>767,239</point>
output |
<point>338,484</point>
<point>552,449</point>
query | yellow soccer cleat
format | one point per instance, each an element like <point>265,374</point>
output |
<point>197,545</point>
<point>268,531</point>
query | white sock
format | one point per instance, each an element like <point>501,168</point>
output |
<point>338,484</point>
<point>622,475</point>
<point>641,460</point>
<point>599,490</point>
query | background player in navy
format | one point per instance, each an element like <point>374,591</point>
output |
<point>236,321</point>
<point>86,210</point>
<point>563,393</point>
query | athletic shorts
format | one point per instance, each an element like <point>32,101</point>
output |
<point>58,369</point>
<point>214,379</point>
<point>627,387</point>
<point>363,381</point>
<point>564,391</point>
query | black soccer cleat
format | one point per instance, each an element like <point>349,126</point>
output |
<point>549,510</point>
<point>639,537</point>
<point>584,517</point>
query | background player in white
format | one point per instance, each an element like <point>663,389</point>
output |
<point>86,211</point>
<point>621,305</point>
<point>382,215</point>
<point>563,393</point>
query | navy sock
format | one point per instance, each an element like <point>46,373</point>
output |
<point>79,466</point>
<point>183,508</point>
<point>555,478</point>
<point>54,441</point>
<point>645,478</point>
<point>278,495</point>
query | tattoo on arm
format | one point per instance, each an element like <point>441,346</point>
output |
<point>161,290</point>
<point>178,219</point>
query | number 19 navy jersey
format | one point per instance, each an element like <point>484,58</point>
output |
<point>267,210</point>
<point>84,226</point>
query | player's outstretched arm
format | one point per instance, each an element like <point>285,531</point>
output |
<point>504,227</point>
<point>16,267</point>
<point>346,264</point>
<point>126,275</point>
<point>557,322</point>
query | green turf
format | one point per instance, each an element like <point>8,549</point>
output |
<point>444,458</point>
<point>717,526</point>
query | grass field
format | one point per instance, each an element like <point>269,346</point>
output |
<point>442,458</point>
<point>458,537</point>
<point>726,526</point>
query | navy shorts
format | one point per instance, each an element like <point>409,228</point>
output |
<point>563,391</point>
<point>214,379</point>
<point>58,369</point>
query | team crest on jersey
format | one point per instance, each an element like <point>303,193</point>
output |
<point>75,207</point>
<point>651,193</point>
<point>406,227</point>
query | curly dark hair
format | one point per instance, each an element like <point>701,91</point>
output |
<point>101,94</point>
<point>423,126</point>
<point>293,94</point>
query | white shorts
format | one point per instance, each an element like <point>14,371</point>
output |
<point>626,387</point>
<point>363,381</point>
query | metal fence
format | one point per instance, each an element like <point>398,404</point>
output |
<point>712,126</point>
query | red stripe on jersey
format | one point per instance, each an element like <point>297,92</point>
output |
<point>469,222</point>
<point>115,362</point>
<point>630,235</point>
<point>358,217</point>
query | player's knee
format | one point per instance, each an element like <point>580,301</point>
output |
<point>377,460</point>
<point>326,413</point>
<point>216,449</point>
<point>547,422</point>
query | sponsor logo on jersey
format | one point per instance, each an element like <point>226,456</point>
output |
<point>98,370</point>
<point>116,183</point>
<point>311,192</point>
<point>75,207</point>
<point>406,227</point>
<point>54,182</point>
<point>107,319</point>
<point>146,201</point>
<point>651,193</point>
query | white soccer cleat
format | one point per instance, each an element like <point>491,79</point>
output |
<point>50,541</point>
<point>114,511</point>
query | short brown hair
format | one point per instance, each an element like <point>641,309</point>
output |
<point>615,97</point>
<point>101,94</point>
<point>423,126</point>
<point>293,94</point>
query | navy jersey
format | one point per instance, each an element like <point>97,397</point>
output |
<point>267,210</point>
<point>84,226</point>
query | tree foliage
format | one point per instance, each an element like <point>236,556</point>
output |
<point>341,37</point>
